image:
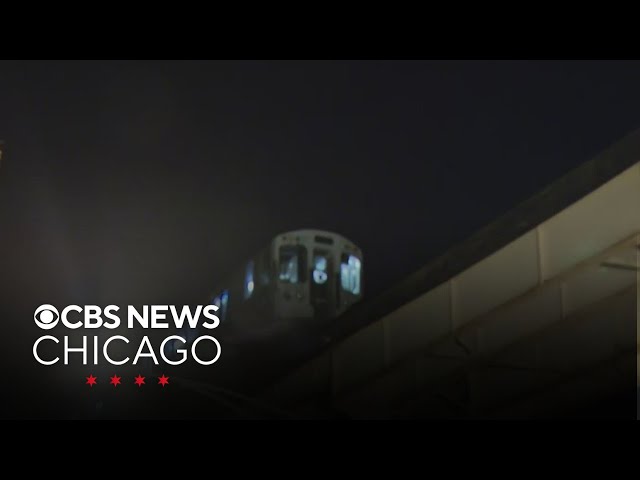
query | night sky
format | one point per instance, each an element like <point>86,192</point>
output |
<point>147,182</point>
<point>151,180</point>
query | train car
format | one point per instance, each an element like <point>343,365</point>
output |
<point>299,280</point>
<point>275,307</point>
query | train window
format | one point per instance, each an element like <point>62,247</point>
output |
<point>350,274</point>
<point>320,269</point>
<point>292,267</point>
<point>222,302</point>
<point>248,280</point>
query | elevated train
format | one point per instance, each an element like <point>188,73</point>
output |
<point>289,290</point>
<point>299,280</point>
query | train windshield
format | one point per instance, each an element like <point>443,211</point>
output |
<point>350,274</point>
<point>292,264</point>
<point>320,265</point>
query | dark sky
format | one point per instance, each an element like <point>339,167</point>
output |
<point>150,180</point>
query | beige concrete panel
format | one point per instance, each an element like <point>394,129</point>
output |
<point>359,356</point>
<point>603,330</point>
<point>500,277</point>
<point>416,324</point>
<point>602,218</point>
<point>523,317</point>
<point>593,284</point>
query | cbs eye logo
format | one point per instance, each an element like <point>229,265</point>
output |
<point>46,317</point>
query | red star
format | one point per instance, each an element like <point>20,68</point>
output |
<point>139,380</point>
<point>115,380</point>
<point>163,380</point>
<point>91,380</point>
